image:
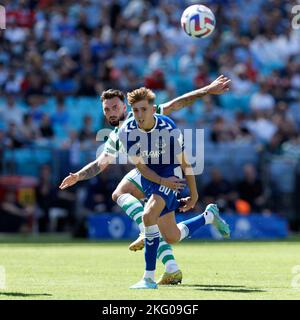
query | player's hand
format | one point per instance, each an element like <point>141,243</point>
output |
<point>69,181</point>
<point>187,203</point>
<point>174,183</point>
<point>219,86</point>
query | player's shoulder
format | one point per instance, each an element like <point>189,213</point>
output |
<point>164,122</point>
<point>128,125</point>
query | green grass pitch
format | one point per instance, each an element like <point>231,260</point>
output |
<point>43,268</point>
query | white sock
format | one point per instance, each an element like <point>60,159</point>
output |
<point>171,266</point>
<point>152,231</point>
<point>165,255</point>
<point>184,231</point>
<point>149,274</point>
<point>209,217</point>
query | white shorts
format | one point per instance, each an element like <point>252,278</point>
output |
<point>134,176</point>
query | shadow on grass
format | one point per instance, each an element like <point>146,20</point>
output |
<point>21,294</point>
<point>222,288</point>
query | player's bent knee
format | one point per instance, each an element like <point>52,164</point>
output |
<point>116,194</point>
<point>148,219</point>
<point>170,239</point>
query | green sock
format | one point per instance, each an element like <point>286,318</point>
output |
<point>165,255</point>
<point>133,208</point>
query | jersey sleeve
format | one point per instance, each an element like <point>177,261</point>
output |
<point>112,144</point>
<point>160,108</point>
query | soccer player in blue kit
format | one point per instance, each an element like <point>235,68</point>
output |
<point>129,192</point>
<point>155,146</point>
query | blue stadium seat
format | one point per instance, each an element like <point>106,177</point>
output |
<point>233,102</point>
<point>25,162</point>
<point>49,106</point>
<point>282,173</point>
<point>42,155</point>
<point>60,131</point>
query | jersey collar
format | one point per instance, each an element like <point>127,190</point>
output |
<point>154,127</point>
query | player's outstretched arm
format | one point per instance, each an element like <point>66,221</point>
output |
<point>173,183</point>
<point>88,171</point>
<point>189,202</point>
<point>218,86</point>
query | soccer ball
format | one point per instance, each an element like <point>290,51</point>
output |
<point>198,21</point>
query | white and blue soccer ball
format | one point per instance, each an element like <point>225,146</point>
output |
<point>198,21</point>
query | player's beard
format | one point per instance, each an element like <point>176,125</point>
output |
<point>116,121</point>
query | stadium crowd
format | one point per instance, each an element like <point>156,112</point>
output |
<point>57,56</point>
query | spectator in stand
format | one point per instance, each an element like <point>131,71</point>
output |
<point>61,116</point>
<point>155,80</point>
<point>99,193</point>
<point>283,120</point>
<point>221,131</point>
<point>66,200</point>
<point>261,127</point>
<point>87,85</point>
<point>219,191</point>
<point>3,74</point>
<point>262,100</point>
<point>201,78</point>
<point>45,195</point>
<point>46,128</point>
<point>10,112</point>
<point>210,111</point>
<point>241,85</point>
<point>241,132</point>
<point>35,110</point>
<point>13,217</point>
<point>189,60</point>
<point>87,133</point>
<point>250,189</point>
<point>29,130</point>
<point>35,83</point>
<point>14,139</point>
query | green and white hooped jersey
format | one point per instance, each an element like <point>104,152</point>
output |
<point>112,145</point>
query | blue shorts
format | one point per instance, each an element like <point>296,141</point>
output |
<point>170,196</point>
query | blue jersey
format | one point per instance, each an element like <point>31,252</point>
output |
<point>159,149</point>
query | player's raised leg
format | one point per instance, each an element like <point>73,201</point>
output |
<point>128,195</point>
<point>173,232</point>
<point>209,216</point>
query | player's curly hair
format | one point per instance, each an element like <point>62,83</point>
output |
<point>140,94</point>
<point>112,93</point>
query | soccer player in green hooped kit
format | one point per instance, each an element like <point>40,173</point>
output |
<point>129,191</point>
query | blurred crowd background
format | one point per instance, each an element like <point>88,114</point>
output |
<point>57,56</point>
